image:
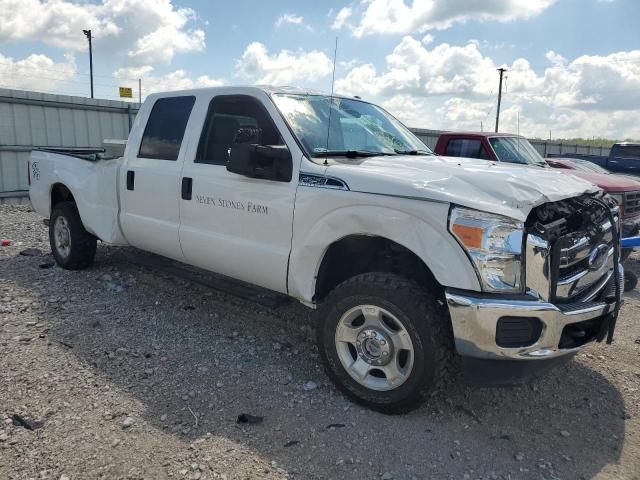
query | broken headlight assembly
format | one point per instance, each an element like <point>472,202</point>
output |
<point>494,244</point>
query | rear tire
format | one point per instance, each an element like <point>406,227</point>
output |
<point>72,246</point>
<point>385,341</point>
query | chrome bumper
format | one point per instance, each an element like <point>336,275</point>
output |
<point>475,318</point>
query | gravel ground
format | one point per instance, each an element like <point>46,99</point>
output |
<point>138,368</point>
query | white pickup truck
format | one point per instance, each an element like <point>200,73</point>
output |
<point>416,262</point>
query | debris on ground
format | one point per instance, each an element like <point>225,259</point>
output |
<point>247,418</point>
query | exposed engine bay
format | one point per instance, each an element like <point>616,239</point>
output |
<point>582,268</point>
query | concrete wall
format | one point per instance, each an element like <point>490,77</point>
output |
<point>31,120</point>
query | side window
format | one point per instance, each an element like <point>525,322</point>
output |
<point>461,147</point>
<point>232,120</point>
<point>165,128</point>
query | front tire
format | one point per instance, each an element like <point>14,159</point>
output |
<point>385,342</point>
<point>72,246</point>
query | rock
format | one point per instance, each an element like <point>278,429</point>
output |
<point>4,437</point>
<point>310,385</point>
<point>115,443</point>
<point>519,457</point>
<point>31,252</point>
<point>163,417</point>
<point>564,433</point>
<point>386,476</point>
<point>127,422</point>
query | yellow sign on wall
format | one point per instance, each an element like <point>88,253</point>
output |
<point>126,92</point>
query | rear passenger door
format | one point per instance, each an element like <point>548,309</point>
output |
<point>150,178</point>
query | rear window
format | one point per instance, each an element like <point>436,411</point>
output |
<point>165,128</point>
<point>461,147</point>
<point>628,151</point>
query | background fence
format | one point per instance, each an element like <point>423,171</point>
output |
<point>31,120</point>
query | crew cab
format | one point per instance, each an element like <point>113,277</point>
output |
<point>410,259</point>
<point>623,158</point>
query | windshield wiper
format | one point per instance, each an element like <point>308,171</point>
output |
<point>349,153</point>
<point>412,152</point>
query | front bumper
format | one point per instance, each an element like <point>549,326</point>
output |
<point>475,318</point>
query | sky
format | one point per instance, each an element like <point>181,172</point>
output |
<point>573,65</point>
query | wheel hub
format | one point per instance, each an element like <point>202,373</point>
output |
<point>374,346</point>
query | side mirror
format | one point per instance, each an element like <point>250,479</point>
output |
<point>271,162</point>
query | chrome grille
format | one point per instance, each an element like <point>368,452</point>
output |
<point>631,203</point>
<point>575,269</point>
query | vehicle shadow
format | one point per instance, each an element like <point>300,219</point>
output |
<point>187,352</point>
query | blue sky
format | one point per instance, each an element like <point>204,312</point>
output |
<point>574,64</point>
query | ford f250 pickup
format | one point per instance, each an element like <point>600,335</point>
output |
<point>413,261</point>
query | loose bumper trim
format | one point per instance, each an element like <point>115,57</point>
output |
<point>474,319</point>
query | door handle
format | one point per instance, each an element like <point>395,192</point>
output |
<point>131,177</point>
<point>187,186</point>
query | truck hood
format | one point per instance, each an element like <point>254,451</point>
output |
<point>511,190</point>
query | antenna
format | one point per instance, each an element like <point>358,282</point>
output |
<point>333,79</point>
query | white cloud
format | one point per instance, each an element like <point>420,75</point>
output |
<point>427,39</point>
<point>148,30</point>
<point>289,18</point>
<point>282,68</point>
<point>454,87</point>
<point>341,18</point>
<point>177,80</point>
<point>398,17</point>
<point>37,72</point>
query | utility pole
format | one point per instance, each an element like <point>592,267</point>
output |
<point>501,70</point>
<point>139,92</point>
<point>87,34</point>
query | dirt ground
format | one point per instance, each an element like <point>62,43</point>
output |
<point>139,368</point>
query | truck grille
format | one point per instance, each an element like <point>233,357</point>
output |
<point>568,267</point>
<point>631,203</point>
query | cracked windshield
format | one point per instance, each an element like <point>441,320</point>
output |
<point>347,128</point>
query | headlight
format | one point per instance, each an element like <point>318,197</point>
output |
<point>494,244</point>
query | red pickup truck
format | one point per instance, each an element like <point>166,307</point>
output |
<point>506,147</point>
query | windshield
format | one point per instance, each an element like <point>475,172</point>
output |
<point>587,166</point>
<point>355,126</point>
<point>516,150</point>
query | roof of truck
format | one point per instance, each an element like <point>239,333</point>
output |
<point>252,89</point>
<point>481,134</point>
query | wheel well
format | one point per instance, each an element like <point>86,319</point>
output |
<point>357,254</point>
<point>60,193</point>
